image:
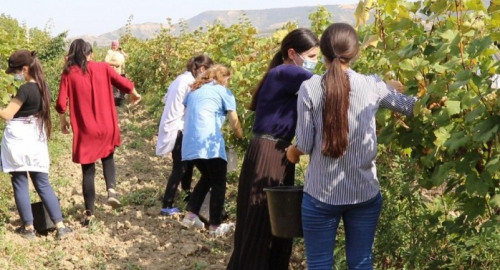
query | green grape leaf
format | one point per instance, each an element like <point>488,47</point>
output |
<point>478,46</point>
<point>456,141</point>
<point>452,106</point>
<point>486,129</point>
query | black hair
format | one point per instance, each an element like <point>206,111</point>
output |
<point>77,55</point>
<point>301,40</point>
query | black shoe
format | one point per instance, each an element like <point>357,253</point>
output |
<point>225,215</point>
<point>28,234</point>
<point>87,220</point>
<point>63,232</point>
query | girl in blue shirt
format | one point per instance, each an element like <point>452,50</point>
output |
<point>207,106</point>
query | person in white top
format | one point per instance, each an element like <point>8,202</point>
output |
<point>115,57</point>
<point>170,131</point>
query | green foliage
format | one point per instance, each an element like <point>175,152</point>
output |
<point>442,182</point>
<point>50,51</point>
<point>438,170</point>
<point>320,19</point>
<point>235,46</point>
<point>12,36</point>
<point>443,53</point>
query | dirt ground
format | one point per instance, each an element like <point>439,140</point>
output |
<point>132,237</point>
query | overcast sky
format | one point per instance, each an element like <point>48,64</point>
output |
<point>97,17</point>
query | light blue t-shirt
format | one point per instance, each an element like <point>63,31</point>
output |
<point>206,110</point>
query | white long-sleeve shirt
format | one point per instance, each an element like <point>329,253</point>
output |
<point>172,119</point>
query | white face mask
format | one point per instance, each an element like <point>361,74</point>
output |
<point>19,77</point>
<point>308,64</point>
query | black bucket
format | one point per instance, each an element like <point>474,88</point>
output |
<point>41,219</point>
<point>285,203</point>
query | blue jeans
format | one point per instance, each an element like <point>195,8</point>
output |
<point>320,222</point>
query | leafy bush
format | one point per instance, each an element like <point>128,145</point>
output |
<point>438,170</point>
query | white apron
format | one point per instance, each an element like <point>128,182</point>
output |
<point>24,146</point>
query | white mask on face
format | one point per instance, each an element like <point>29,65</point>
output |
<point>308,64</point>
<point>19,77</point>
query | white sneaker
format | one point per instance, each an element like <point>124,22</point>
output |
<point>222,230</point>
<point>195,223</point>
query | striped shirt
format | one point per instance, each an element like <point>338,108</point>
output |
<point>352,178</point>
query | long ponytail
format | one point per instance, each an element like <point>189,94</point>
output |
<point>36,72</point>
<point>335,120</point>
<point>339,45</point>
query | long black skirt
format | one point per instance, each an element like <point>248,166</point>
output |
<point>264,165</point>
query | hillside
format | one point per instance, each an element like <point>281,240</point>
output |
<point>265,21</point>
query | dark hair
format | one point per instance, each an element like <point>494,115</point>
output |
<point>339,45</point>
<point>36,72</point>
<point>198,61</point>
<point>301,40</point>
<point>77,55</point>
<point>89,48</point>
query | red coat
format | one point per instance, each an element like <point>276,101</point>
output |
<point>92,109</point>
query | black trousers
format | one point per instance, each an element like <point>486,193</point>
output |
<point>88,185</point>
<point>182,172</point>
<point>213,176</point>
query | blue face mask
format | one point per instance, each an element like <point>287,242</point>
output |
<point>308,64</point>
<point>19,77</point>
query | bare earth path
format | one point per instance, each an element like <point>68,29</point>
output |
<point>133,237</point>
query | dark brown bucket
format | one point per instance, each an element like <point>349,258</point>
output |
<point>285,203</point>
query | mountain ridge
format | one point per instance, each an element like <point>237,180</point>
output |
<point>265,20</point>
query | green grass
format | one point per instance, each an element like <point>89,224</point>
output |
<point>139,167</point>
<point>96,226</point>
<point>132,266</point>
<point>200,265</point>
<point>146,197</point>
<point>143,131</point>
<point>60,181</point>
<point>12,254</point>
<point>137,144</point>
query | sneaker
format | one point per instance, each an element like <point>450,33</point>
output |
<point>113,201</point>
<point>28,234</point>
<point>195,223</point>
<point>221,230</point>
<point>169,211</point>
<point>63,232</point>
